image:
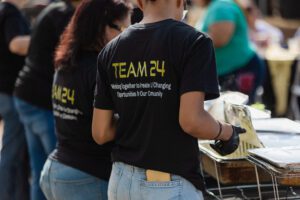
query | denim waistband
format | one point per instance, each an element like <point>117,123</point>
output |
<point>129,168</point>
<point>137,171</point>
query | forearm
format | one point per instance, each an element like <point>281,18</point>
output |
<point>104,126</point>
<point>107,135</point>
<point>205,127</point>
<point>110,134</point>
<point>195,121</point>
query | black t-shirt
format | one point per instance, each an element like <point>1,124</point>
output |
<point>12,24</point>
<point>141,75</point>
<point>35,79</point>
<point>72,96</point>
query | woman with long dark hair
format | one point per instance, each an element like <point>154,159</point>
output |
<point>79,168</point>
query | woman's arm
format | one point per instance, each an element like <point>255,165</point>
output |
<point>103,126</point>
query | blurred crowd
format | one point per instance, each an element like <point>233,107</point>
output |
<point>47,145</point>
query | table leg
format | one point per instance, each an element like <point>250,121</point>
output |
<point>274,187</point>
<point>218,180</point>
<point>258,182</point>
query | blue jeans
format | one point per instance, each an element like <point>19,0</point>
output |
<point>41,140</point>
<point>59,181</point>
<point>14,167</point>
<point>129,183</point>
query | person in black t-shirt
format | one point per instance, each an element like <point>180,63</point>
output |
<point>14,42</point>
<point>33,87</point>
<point>35,80</point>
<point>79,168</point>
<point>156,76</point>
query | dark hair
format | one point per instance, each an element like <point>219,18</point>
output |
<point>86,30</point>
<point>206,2</point>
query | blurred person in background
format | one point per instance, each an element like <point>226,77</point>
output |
<point>33,88</point>
<point>294,43</point>
<point>79,168</point>
<point>262,34</point>
<point>297,34</point>
<point>239,67</point>
<point>14,42</point>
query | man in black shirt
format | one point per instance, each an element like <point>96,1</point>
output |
<point>156,76</point>
<point>14,42</point>
<point>33,87</point>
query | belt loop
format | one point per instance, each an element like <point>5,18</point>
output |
<point>131,169</point>
<point>128,168</point>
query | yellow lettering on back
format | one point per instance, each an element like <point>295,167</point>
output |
<point>131,70</point>
<point>116,65</point>
<point>54,92</point>
<point>64,95</point>
<point>152,68</point>
<point>142,70</point>
<point>71,96</point>
<point>58,93</point>
<point>122,69</point>
<point>162,69</point>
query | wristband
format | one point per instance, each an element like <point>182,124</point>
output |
<point>220,131</point>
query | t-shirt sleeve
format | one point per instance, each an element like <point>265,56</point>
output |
<point>221,13</point>
<point>199,70</point>
<point>103,98</point>
<point>14,26</point>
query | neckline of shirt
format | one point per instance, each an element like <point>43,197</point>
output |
<point>152,25</point>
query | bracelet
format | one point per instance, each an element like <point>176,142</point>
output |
<point>220,131</point>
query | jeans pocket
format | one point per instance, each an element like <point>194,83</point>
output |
<point>170,190</point>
